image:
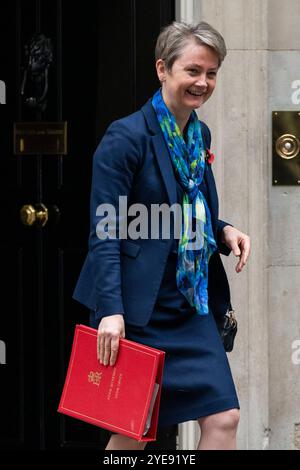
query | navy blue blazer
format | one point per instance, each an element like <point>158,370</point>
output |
<point>124,276</point>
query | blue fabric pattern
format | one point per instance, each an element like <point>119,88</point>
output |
<point>197,241</point>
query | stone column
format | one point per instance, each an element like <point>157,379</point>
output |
<point>284,237</point>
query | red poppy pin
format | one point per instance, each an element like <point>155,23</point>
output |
<point>209,156</point>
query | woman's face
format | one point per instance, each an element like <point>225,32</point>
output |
<point>191,80</point>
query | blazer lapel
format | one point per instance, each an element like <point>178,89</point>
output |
<point>213,197</point>
<point>161,152</point>
<point>166,166</point>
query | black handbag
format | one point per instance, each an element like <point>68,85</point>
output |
<point>227,326</point>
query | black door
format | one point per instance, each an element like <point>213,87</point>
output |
<point>101,57</point>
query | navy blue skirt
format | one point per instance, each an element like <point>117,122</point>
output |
<point>197,380</point>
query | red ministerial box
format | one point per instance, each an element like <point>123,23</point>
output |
<point>118,398</point>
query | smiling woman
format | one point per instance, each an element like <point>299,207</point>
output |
<point>190,82</point>
<point>158,291</point>
<point>187,62</point>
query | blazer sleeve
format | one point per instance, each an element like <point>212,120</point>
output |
<point>223,248</point>
<point>115,163</point>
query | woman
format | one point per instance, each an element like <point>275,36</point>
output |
<point>156,290</point>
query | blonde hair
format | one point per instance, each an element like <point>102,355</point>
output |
<point>174,37</point>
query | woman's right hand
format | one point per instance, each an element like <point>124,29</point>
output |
<point>110,330</point>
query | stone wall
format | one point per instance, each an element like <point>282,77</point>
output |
<point>257,76</point>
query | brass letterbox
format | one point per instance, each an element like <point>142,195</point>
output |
<point>40,138</point>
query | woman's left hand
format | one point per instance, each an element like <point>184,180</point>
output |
<point>239,243</point>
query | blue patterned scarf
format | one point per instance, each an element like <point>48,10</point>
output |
<point>188,160</point>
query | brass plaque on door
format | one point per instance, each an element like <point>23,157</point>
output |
<point>40,138</point>
<point>286,148</point>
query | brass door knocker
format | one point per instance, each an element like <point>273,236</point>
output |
<point>38,58</point>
